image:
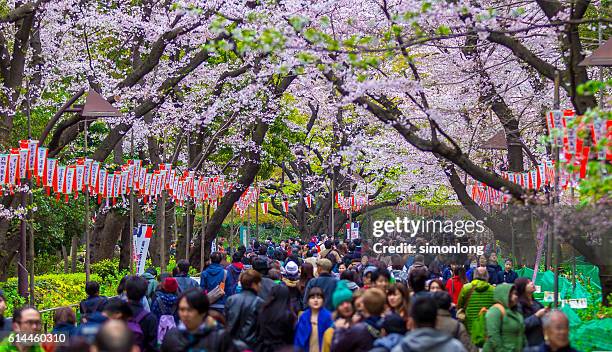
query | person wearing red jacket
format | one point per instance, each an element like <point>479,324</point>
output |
<point>456,282</point>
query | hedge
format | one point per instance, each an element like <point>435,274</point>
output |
<point>54,290</point>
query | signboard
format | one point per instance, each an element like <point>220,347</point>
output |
<point>355,230</point>
<point>244,236</point>
<point>141,240</point>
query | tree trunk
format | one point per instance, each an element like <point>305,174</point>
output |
<point>74,251</point>
<point>106,231</point>
<point>126,242</point>
<point>605,276</point>
<point>154,247</point>
<point>182,231</point>
<point>65,257</point>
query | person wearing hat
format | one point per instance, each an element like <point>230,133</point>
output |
<point>360,336</point>
<point>5,325</point>
<point>325,281</point>
<point>392,330</point>
<point>291,279</point>
<point>166,299</point>
<point>342,299</point>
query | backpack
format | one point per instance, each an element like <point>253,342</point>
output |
<point>219,291</point>
<point>400,276</point>
<point>166,322</point>
<point>134,325</point>
<point>86,312</point>
<point>479,326</point>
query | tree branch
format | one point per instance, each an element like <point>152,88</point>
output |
<point>19,13</point>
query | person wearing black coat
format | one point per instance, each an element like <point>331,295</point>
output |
<point>136,288</point>
<point>493,269</point>
<point>507,275</point>
<point>275,326</point>
<point>94,302</point>
<point>242,310</point>
<point>532,311</point>
<point>196,331</point>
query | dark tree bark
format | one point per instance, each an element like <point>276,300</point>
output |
<point>155,245</point>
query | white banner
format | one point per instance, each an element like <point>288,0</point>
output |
<point>142,238</point>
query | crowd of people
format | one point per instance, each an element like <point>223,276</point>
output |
<point>314,296</point>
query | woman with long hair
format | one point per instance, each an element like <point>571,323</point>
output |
<point>306,274</point>
<point>531,310</point>
<point>312,323</point>
<point>275,326</point>
<point>398,300</point>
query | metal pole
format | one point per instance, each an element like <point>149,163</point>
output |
<point>162,232</point>
<point>350,213</point>
<point>367,215</point>
<point>131,244</point>
<point>555,243</point>
<point>187,229</point>
<point>87,239</point>
<point>248,223</point>
<point>600,68</point>
<point>331,225</point>
<point>256,213</point>
<point>30,214</point>
<point>188,210</point>
<point>204,211</point>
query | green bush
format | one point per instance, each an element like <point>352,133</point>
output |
<point>57,290</point>
<point>50,291</point>
<point>107,269</point>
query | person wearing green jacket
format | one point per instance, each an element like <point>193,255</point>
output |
<point>474,296</point>
<point>505,326</point>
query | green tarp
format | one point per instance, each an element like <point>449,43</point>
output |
<point>546,281</point>
<point>592,335</point>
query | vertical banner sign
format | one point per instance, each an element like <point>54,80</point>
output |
<point>244,239</point>
<point>3,171</point>
<point>23,163</point>
<point>12,167</point>
<point>93,176</point>
<point>50,172</point>
<point>141,241</point>
<point>354,230</point>
<point>41,159</point>
<point>32,148</point>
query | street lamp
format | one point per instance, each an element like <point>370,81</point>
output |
<point>95,106</point>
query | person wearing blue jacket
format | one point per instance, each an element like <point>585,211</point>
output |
<point>213,276</point>
<point>312,323</point>
<point>185,282</point>
<point>233,273</point>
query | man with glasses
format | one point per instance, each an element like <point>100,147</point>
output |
<point>26,325</point>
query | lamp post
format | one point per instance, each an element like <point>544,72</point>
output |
<point>95,106</point>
